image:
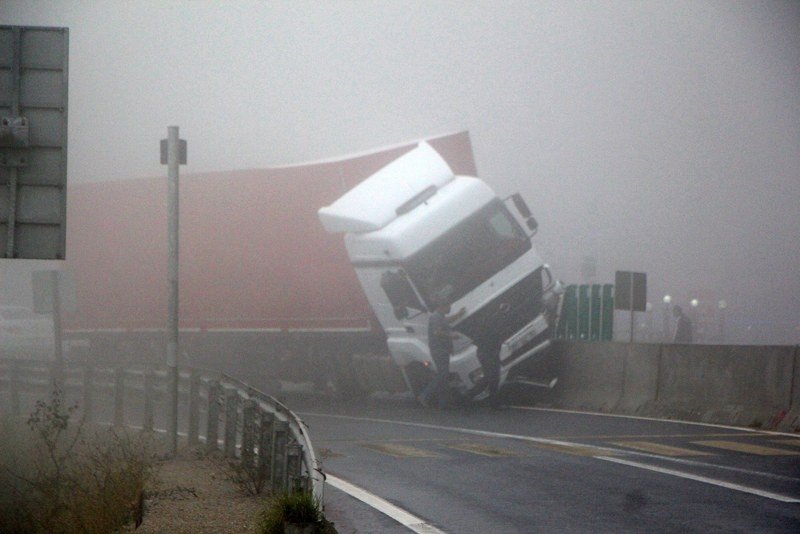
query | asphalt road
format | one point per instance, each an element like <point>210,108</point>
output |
<point>530,470</point>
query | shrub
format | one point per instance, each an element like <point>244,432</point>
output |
<point>299,509</point>
<point>55,477</point>
<point>252,479</point>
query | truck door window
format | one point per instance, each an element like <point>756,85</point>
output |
<point>400,293</point>
<point>502,226</point>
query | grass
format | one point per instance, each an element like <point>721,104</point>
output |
<point>299,510</point>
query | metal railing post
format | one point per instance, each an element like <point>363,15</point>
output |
<point>148,382</point>
<point>248,433</point>
<point>279,455</point>
<point>88,390</point>
<point>294,455</point>
<point>14,379</point>
<point>265,445</point>
<point>231,420</point>
<point>212,429</point>
<point>119,397</point>
<point>194,408</point>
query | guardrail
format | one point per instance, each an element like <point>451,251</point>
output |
<point>250,426</point>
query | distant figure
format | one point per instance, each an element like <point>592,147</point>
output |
<point>683,329</point>
<point>440,343</point>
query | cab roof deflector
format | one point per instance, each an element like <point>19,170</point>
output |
<point>374,203</point>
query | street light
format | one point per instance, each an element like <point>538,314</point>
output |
<point>695,303</point>
<point>722,305</point>
<point>667,299</point>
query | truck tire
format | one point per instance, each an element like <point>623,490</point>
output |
<point>417,377</point>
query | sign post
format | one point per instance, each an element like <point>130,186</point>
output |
<point>173,154</point>
<point>54,292</point>
<point>630,294</point>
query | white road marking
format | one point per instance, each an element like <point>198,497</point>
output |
<point>403,517</point>
<point>656,419</point>
<point>600,454</point>
<point>706,480</point>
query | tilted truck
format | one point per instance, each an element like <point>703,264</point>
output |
<point>266,293</point>
<point>416,233</point>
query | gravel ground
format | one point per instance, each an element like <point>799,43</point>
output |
<point>194,494</point>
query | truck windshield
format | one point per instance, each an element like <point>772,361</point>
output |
<point>468,255</point>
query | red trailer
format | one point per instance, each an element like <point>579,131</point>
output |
<point>264,290</point>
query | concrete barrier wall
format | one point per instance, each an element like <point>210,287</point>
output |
<point>747,385</point>
<point>792,419</point>
<point>726,384</point>
<point>590,375</point>
<point>640,379</point>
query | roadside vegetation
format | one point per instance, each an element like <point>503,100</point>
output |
<point>60,476</point>
<point>290,513</point>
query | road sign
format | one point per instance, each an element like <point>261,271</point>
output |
<point>630,294</point>
<point>630,291</point>
<point>33,142</point>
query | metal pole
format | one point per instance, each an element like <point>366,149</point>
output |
<point>173,162</point>
<point>57,332</point>
<point>12,171</point>
<point>632,313</point>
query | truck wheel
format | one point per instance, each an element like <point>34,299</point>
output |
<point>417,377</point>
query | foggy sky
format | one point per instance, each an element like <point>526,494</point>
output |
<point>656,136</point>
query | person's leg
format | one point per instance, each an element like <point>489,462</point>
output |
<point>434,386</point>
<point>490,361</point>
<point>442,386</point>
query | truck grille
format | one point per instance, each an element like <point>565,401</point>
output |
<point>506,314</point>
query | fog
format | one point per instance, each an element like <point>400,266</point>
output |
<point>661,137</point>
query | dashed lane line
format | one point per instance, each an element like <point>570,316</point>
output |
<point>748,448</point>
<point>400,451</point>
<point>659,448</point>
<point>792,442</point>
<point>482,449</point>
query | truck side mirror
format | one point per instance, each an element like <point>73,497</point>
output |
<point>522,206</point>
<point>525,212</point>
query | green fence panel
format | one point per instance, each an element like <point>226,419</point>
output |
<point>584,304</point>
<point>607,328</point>
<point>571,312</point>
<point>595,312</point>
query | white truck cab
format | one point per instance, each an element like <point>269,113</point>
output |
<point>415,232</point>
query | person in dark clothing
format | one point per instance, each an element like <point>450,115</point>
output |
<point>489,356</point>
<point>440,344</point>
<point>683,328</point>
